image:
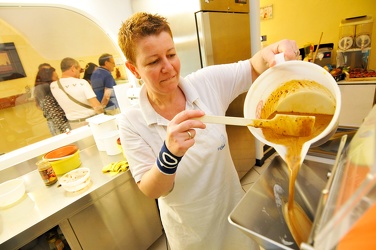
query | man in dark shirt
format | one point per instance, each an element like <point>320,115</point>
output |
<point>103,82</point>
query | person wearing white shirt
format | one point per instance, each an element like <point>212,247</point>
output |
<point>75,95</point>
<point>173,157</point>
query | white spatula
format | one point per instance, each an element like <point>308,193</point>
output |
<point>293,125</point>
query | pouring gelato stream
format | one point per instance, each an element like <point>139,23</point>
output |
<point>294,88</point>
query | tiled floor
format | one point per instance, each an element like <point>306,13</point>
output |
<point>247,181</point>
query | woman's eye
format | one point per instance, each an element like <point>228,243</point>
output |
<point>153,62</point>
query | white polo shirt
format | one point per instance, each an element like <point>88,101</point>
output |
<point>207,187</point>
<point>79,89</point>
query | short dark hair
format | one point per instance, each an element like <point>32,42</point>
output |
<point>67,63</point>
<point>104,58</point>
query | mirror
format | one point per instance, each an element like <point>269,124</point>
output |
<point>44,34</point>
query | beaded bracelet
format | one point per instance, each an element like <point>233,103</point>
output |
<point>167,162</point>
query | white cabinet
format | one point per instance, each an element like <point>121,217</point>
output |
<point>358,99</point>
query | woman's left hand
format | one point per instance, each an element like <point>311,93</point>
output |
<point>288,47</point>
<point>265,58</point>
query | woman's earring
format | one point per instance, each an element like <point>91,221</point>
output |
<point>140,82</point>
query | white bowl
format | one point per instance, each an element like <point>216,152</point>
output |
<point>75,180</point>
<point>11,191</point>
<point>307,100</point>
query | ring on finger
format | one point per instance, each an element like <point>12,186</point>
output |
<point>297,52</point>
<point>189,134</point>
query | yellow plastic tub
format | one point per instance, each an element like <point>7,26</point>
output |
<point>65,163</point>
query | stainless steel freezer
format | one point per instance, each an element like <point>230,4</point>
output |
<point>229,35</point>
<point>224,37</point>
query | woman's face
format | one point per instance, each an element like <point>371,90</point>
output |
<point>157,63</point>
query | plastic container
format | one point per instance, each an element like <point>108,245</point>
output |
<point>47,172</point>
<point>346,37</point>
<point>11,191</point>
<point>118,141</point>
<point>100,125</point>
<point>325,100</point>
<point>109,140</point>
<point>61,152</point>
<point>355,33</point>
<point>75,180</point>
<point>364,33</point>
<point>64,164</point>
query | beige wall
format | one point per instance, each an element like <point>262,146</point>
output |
<point>37,42</point>
<point>30,59</point>
<point>304,21</point>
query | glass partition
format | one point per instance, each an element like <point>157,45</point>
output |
<point>41,34</point>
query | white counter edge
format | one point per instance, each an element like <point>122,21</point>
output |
<point>353,82</point>
<point>31,151</point>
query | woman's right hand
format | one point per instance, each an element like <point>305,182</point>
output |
<point>155,184</point>
<point>181,131</point>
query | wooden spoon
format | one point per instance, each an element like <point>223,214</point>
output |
<point>292,125</point>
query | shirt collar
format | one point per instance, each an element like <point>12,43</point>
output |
<point>102,68</point>
<point>152,117</point>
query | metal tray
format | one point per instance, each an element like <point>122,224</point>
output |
<point>259,213</point>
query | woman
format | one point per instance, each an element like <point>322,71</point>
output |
<point>56,119</point>
<point>89,69</point>
<point>179,160</point>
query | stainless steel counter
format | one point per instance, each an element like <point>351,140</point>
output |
<point>43,207</point>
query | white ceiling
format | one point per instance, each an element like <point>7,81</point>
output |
<point>56,32</point>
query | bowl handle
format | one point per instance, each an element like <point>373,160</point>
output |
<point>279,58</point>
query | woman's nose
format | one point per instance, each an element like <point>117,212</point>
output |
<point>167,66</point>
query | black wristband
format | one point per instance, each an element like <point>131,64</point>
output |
<point>166,161</point>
